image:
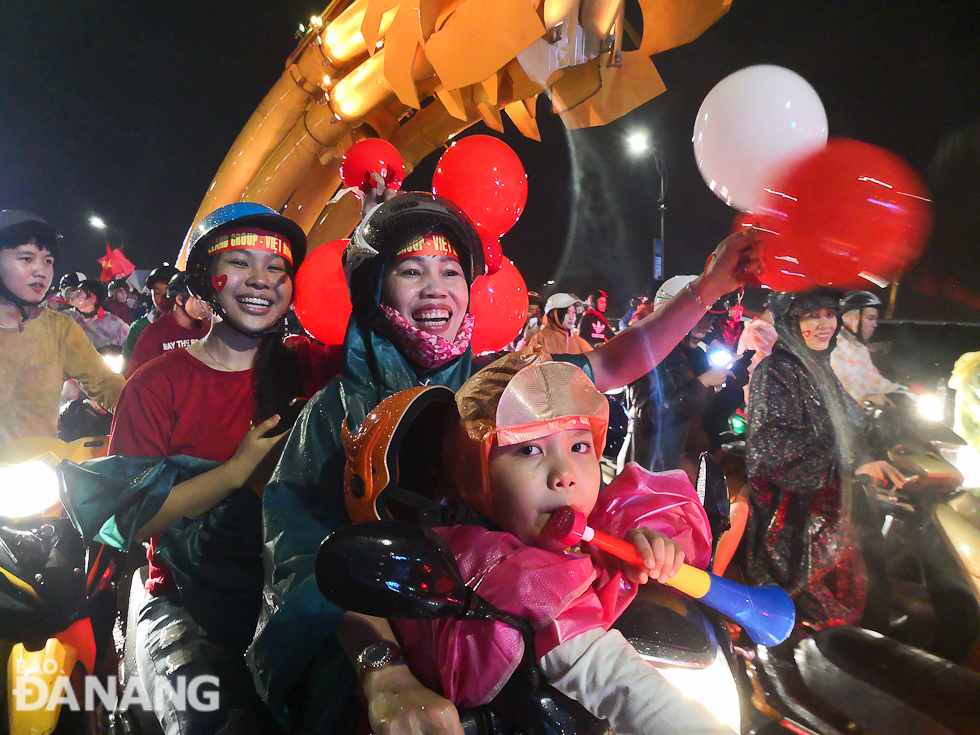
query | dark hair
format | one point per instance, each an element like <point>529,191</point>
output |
<point>278,377</point>
<point>10,240</point>
<point>557,316</point>
<point>596,295</point>
<point>92,288</point>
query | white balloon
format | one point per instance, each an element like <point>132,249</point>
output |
<point>751,126</point>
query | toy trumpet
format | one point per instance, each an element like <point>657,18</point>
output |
<point>766,613</point>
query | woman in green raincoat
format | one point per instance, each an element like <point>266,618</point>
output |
<point>410,264</point>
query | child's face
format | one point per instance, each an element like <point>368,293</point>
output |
<point>529,481</point>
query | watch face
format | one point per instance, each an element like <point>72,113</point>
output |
<point>376,655</point>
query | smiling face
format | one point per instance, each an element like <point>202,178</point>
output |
<point>818,328</point>
<point>27,271</point>
<point>529,481</point>
<point>429,291</point>
<point>256,288</point>
<point>568,322</point>
<point>83,301</point>
<point>869,322</point>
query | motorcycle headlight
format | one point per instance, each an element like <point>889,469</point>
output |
<point>930,407</point>
<point>966,459</point>
<point>27,489</point>
<point>712,685</point>
<point>115,362</point>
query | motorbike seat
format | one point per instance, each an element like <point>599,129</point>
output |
<point>886,686</point>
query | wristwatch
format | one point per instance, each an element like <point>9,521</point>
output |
<point>376,656</point>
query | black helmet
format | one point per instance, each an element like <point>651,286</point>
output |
<point>177,286</point>
<point>163,274</point>
<point>16,224</point>
<point>858,300</point>
<point>390,226</point>
<point>117,283</point>
<point>726,302</point>
<point>71,280</point>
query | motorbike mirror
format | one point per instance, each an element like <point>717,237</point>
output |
<point>391,569</point>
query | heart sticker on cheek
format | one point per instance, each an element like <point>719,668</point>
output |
<point>806,333</point>
<point>219,282</point>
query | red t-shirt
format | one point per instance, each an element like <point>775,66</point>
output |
<point>175,404</point>
<point>161,336</point>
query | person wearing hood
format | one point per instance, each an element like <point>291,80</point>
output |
<point>851,359</point>
<point>558,335</point>
<point>410,265</point>
<point>804,448</point>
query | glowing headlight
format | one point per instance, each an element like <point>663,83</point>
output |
<point>115,362</point>
<point>27,489</point>
<point>713,686</point>
<point>966,459</point>
<point>930,408</point>
<point>721,358</point>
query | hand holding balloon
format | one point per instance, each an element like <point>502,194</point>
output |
<point>371,158</point>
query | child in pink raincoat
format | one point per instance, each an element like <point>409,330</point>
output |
<point>528,442</point>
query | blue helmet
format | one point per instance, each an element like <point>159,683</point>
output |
<point>247,214</point>
<point>233,216</point>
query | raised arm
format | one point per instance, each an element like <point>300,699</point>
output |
<point>636,351</point>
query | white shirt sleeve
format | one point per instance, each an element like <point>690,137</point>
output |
<point>603,672</point>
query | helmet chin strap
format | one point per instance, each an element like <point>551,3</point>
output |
<point>21,304</point>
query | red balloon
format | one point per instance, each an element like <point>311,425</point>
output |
<point>782,272</point>
<point>484,176</point>
<point>498,304</point>
<point>321,298</point>
<point>492,254</point>
<point>850,215</point>
<point>372,155</point>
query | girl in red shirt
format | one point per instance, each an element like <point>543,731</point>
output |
<point>219,399</point>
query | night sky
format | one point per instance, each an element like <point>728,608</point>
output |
<point>126,110</point>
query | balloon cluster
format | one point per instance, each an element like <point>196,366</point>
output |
<point>840,213</point>
<point>480,174</point>
<point>485,178</point>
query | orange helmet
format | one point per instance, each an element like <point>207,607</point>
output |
<point>394,462</point>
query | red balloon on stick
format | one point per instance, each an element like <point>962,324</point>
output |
<point>492,253</point>
<point>321,299</point>
<point>486,179</point>
<point>372,155</point>
<point>498,304</point>
<point>848,216</point>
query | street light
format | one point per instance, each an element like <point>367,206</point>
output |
<point>96,222</point>
<point>638,143</point>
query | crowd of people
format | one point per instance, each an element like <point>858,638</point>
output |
<point>229,433</point>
